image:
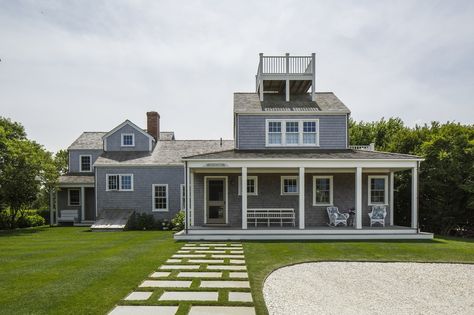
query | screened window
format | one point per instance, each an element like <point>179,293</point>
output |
<point>128,140</point>
<point>252,185</point>
<point>274,132</point>
<point>286,132</point>
<point>289,185</point>
<point>85,161</point>
<point>378,190</point>
<point>73,198</point>
<point>292,134</point>
<point>309,132</point>
<point>323,191</point>
<point>160,197</point>
<point>126,182</point>
<point>120,182</point>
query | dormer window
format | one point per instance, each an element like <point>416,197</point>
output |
<point>292,132</point>
<point>128,140</point>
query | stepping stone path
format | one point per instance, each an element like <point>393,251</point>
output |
<point>199,279</point>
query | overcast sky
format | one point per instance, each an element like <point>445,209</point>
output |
<point>73,66</point>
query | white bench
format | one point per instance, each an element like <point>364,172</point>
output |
<point>68,215</point>
<point>271,215</point>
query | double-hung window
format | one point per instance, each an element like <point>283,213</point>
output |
<point>378,190</point>
<point>252,185</point>
<point>85,163</point>
<point>274,133</point>
<point>160,197</point>
<point>292,132</point>
<point>120,182</point>
<point>128,140</point>
<point>74,197</point>
<point>322,191</point>
<point>289,185</point>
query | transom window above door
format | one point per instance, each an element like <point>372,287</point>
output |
<point>292,132</point>
<point>128,140</point>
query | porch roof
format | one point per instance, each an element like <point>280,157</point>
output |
<point>76,180</point>
<point>345,154</point>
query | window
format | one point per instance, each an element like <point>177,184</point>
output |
<point>322,191</point>
<point>121,182</point>
<point>378,192</point>
<point>289,185</point>
<point>252,185</point>
<point>85,163</point>
<point>183,196</point>
<point>73,197</point>
<point>128,140</point>
<point>160,197</point>
<point>274,132</point>
<point>292,132</point>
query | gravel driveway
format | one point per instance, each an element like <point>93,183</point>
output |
<point>371,288</point>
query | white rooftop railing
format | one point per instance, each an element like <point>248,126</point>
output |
<point>370,147</point>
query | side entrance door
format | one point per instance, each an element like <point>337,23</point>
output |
<point>216,199</point>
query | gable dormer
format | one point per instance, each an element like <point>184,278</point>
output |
<point>128,137</point>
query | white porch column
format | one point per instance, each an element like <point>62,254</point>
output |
<point>243,189</point>
<point>391,201</point>
<point>83,206</point>
<point>358,197</point>
<point>414,197</point>
<point>301,198</point>
<point>187,216</point>
<point>51,215</point>
<point>190,198</point>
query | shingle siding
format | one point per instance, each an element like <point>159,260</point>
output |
<point>114,140</point>
<point>74,156</point>
<point>140,199</point>
<point>269,196</point>
<point>251,130</point>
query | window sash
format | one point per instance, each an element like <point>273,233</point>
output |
<point>74,200</point>
<point>323,190</point>
<point>292,132</point>
<point>289,185</point>
<point>85,163</point>
<point>119,182</point>
<point>378,190</point>
<point>252,185</point>
<point>125,182</point>
<point>160,197</point>
<point>128,140</point>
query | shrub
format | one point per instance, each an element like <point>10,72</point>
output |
<point>44,213</point>
<point>143,221</point>
<point>177,223</point>
<point>30,220</point>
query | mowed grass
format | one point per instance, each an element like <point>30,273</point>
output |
<point>264,257</point>
<point>73,271</point>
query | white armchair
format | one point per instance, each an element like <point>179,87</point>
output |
<point>378,215</point>
<point>335,217</point>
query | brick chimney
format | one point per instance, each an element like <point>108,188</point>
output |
<point>153,124</point>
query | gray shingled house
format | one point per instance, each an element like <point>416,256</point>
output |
<point>290,173</point>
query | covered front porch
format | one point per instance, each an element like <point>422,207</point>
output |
<point>288,199</point>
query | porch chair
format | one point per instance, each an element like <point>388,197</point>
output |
<point>378,215</point>
<point>335,217</point>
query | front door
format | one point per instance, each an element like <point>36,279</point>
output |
<point>215,200</point>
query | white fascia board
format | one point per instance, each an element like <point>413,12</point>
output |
<point>323,163</point>
<point>136,165</point>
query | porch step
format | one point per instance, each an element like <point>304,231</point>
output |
<point>112,220</point>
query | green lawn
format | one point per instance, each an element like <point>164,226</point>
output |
<point>71,270</point>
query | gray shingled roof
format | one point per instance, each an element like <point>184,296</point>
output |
<point>301,154</point>
<point>164,153</point>
<point>167,135</point>
<point>76,179</point>
<point>88,141</point>
<point>248,103</point>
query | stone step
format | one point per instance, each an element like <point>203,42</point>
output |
<point>201,274</point>
<point>206,261</point>
<point>165,284</point>
<point>224,284</point>
<point>188,256</point>
<point>138,296</point>
<point>238,275</point>
<point>227,256</point>
<point>160,274</point>
<point>221,310</point>
<point>237,261</point>
<point>240,297</point>
<point>144,310</point>
<point>189,296</point>
<point>226,267</point>
<point>179,267</point>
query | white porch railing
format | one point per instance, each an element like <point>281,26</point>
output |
<point>370,147</point>
<point>271,215</point>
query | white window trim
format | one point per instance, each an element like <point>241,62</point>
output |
<point>153,198</point>
<point>69,197</point>
<point>331,200</point>
<point>182,190</point>
<point>127,134</point>
<point>119,183</point>
<point>80,163</point>
<point>369,190</point>
<point>255,179</point>
<point>283,133</point>
<point>282,191</point>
